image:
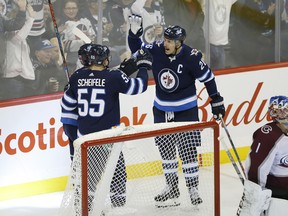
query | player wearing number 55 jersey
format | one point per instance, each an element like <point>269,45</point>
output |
<point>94,92</point>
<point>176,67</point>
<point>91,103</point>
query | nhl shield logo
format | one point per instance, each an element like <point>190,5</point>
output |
<point>168,80</point>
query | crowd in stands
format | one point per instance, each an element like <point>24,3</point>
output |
<point>31,60</point>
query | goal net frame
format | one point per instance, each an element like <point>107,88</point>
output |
<point>147,134</point>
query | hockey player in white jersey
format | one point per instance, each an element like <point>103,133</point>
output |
<point>267,165</point>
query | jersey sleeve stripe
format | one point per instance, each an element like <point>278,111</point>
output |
<point>205,76</point>
<point>69,99</point>
<point>132,86</point>
<point>211,77</point>
<point>140,82</point>
<point>69,115</point>
<point>67,107</point>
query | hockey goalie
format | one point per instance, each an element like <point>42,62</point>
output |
<point>266,189</point>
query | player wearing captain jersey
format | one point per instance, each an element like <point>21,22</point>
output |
<point>267,164</point>
<point>91,103</point>
<point>176,67</point>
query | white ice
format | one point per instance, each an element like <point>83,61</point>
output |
<point>48,204</point>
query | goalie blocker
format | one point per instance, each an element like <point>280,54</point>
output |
<point>254,200</point>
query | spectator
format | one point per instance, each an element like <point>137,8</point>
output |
<point>255,24</point>
<point>47,77</point>
<point>284,30</point>
<point>9,25</point>
<point>266,164</point>
<point>71,20</point>
<point>119,12</point>
<point>153,19</point>
<point>38,27</point>
<point>219,21</point>
<point>189,13</point>
<point>57,62</point>
<point>18,69</point>
<point>107,26</point>
<point>94,19</point>
<point>48,22</point>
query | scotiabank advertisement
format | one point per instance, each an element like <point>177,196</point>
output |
<point>34,148</point>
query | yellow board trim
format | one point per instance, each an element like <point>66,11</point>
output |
<point>59,184</point>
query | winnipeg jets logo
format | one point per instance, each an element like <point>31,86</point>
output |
<point>220,14</point>
<point>172,58</point>
<point>168,80</point>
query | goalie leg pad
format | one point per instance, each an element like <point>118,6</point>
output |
<point>254,200</point>
<point>277,207</point>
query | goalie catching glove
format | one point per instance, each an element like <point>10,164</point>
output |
<point>129,66</point>
<point>217,105</point>
<point>144,59</point>
<point>136,26</point>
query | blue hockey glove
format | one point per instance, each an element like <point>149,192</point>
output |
<point>129,66</point>
<point>217,105</point>
<point>144,59</point>
<point>136,27</point>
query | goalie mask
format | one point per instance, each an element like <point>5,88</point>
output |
<point>93,54</point>
<point>175,33</point>
<point>278,108</point>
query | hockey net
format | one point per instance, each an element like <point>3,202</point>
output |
<point>120,171</point>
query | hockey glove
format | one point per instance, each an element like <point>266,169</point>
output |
<point>217,105</point>
<point>129,66</point>
<point>254,200</point>
<point>136,27</point>
<point>144,59</point>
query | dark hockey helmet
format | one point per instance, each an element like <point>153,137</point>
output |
<point>175,33</point>
<point>98,54</point>
<point>278,108</point>
<point>83,54</point>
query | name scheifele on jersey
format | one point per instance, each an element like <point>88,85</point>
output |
<point>91,82</point>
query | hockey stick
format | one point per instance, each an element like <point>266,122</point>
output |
<point>77,32</point>
<point>59,39</point>
<point>233,146</point>
<point>221,139</point>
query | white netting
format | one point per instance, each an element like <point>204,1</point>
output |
<point>128,177</point>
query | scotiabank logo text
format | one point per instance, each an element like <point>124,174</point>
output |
<point>28,140</point>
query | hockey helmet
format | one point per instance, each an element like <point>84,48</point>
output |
<point>98,54</point>
<point>93,54</point>
<point>175,33</point>
<point>83,54</point>
<point>278,108</point>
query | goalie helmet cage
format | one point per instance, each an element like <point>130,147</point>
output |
<point>97,156</point>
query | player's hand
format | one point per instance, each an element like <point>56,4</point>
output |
<point>217,105</point>
<point>144,59</point>
<point>136,27</point>
<point>129,66</point>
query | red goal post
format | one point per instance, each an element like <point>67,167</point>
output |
<point>77,185</point>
